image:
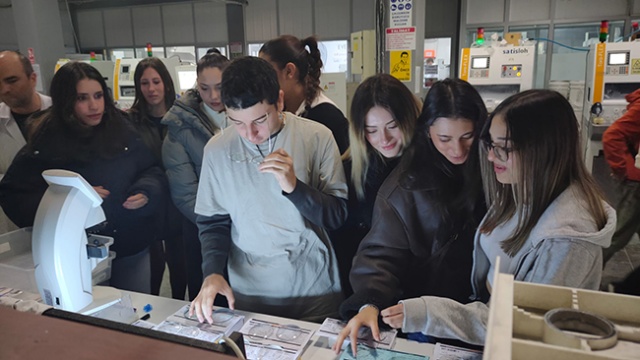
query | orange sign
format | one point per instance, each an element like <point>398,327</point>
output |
<point>464,64</point>
<point>598,83</point>
<point>429,53</point>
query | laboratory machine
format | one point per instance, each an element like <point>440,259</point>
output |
<point>613,71</point>
<point>498,72</point>
<point>186,75</point>
<point>59,258</point>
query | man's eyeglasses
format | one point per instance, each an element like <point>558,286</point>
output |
<point>501,152</point>
<point>247,157</point>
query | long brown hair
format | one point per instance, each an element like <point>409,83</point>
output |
<point>543,130</point>
<point>140,104</point>
<point>62,134</point>
<point>389,93</point>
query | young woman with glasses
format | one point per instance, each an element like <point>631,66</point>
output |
<point>426,213</point>
<point>547,222</point>
<point>383,121</point>
<point>191,122</point>
<point>299,66</point>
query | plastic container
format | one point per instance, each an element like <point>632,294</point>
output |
<point>102,272</point>
<point>16,262</point>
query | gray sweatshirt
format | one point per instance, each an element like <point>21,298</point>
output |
<point>564,249</point>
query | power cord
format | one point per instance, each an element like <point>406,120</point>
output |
<point>232,344</point>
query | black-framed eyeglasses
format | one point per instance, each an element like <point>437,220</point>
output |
<point>501,152</point>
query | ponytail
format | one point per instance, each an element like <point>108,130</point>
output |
<point>289,49</point>
<point>312,78</point>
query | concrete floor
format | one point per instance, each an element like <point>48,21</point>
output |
<point>620,265</point>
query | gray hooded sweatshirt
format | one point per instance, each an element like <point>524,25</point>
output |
<point>564,249</point>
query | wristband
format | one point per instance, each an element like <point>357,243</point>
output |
<point>366,306</point>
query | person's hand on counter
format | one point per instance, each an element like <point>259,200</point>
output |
<point>393,316</point>
<point>368,316</point>
<point>202,305</point>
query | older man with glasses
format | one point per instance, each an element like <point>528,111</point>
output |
<point>270,185</point>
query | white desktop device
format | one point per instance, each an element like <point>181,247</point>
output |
<point>62,256</point>
<point>498,72</point>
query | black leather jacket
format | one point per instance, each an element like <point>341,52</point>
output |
<point>415,247</point>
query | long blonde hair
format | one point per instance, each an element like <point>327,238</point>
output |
<point>387,92</point>
<point>543,130</point>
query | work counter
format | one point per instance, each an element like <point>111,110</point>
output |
<point>25,335</point>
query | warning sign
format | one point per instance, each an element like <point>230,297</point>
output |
<point>400,65</point>
<point>400,13</point>
<point>635,66</point>
<point>401,38</point>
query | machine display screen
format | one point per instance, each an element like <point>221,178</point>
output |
<point>125,69</point>
<point>480,63</point>
<point>619,58</point>
<point>127,91</point>
<point>187,79</point>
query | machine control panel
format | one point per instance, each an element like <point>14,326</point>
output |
<point>511,71</point>
<point>611,113</point>
<point>618,70</point>
<point>479,73</point>
<point>480,67</point>
<point>125,73</point>
<point>617,63</point>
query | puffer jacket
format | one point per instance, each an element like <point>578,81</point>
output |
<point>189,130</point>
<point>412,250</point>
<point>621,140</point>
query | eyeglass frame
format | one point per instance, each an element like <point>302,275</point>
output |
<point>258,122</point>
<point>500,152</point>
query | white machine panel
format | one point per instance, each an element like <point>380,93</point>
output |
<point>334,86</point>
<point>498,72</point>
<point>186,75</point>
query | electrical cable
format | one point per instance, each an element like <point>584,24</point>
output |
<point>561,44</point>
<point>232,344</point>
<point>626,36</point>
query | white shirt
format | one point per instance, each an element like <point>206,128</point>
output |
<point>11,138</point>
<point>11,141</point>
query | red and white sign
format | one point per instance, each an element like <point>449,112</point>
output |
<point>402,38</point>
<point>429,53</point>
